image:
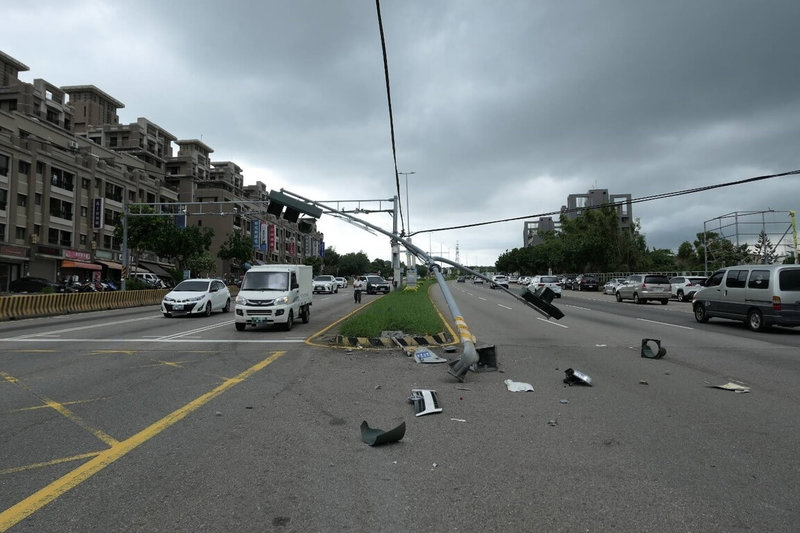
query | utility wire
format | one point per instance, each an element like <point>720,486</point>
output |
<point>652,197</point>
<point>391,115</point>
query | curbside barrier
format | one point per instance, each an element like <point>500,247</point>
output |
<point>19,306</point>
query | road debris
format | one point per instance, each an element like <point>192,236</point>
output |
<point>576,377</point>
<point>518,386</point>
<point>376,437</point>
<point>424,355</point>
<point>425,401</point>
<point>652,349</point>
<point>735,387</point>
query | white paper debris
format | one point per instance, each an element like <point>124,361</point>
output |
<point>518,386</point>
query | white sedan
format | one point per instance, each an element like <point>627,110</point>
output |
<point>197,297</point>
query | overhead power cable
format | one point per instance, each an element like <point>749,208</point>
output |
<point>650,198</point>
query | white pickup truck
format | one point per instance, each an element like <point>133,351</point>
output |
<point>274,294</point>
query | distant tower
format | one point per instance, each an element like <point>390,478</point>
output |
<point>457,258</point>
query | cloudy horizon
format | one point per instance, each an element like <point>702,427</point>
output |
<point>500,109</point>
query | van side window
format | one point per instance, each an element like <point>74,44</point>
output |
<point>789,280</point>
<point>736,279</point>
<point>294,284</point>
<point>759,279</point>
<point>715,279</point>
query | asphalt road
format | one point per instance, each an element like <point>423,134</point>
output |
<point>127,421</point>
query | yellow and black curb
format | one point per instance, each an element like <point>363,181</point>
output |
<point>392,342</point>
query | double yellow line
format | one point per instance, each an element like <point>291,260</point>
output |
<point>15,514</point>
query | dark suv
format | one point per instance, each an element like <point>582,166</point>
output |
<point>376,284</point>
<point>586,282</point>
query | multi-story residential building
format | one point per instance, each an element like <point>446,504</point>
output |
<point>577,204</point>
<point>68,169</point>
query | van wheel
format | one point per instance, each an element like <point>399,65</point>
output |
<point>289,321</point>
<point>167,315</point>
<point>755,320</point>
<point>664,302</point>
<point>305,314</point>
<point>207,310</point>
<point>636,299</point>
<point>227,307</point>
<point>619,297</point>
<point>700,314</point>
<point>240,326</point>
<point>680,296</point>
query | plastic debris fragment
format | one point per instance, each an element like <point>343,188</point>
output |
<point>652,349</point>
<point>735,387</point>
<point>518,386</point>
<point>376,437</point>
<point>424,355</point>
<point>576,377</point>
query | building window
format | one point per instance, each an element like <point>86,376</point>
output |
<point>4,164</point>
<point>22,200</point>
<point>2,232</point>
<point>60,208</point>
<point>40,167</point>
<point>3,199</point>
<point>24,168</point>
<point>85,183</point>
<point>37,198</point>
<point>84,211</point>
<point>83,238</point>
<point>20,233</point>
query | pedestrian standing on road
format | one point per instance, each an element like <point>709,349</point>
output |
<point>358,285</point>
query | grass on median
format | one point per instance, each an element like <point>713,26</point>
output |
<point>411,312</point>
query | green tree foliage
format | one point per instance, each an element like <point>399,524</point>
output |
<point>764,250</point>
<point>146,230</point>
<point>330,263</point>
<point>183,244</point>
<point>718,251</point>
<point>686,259</point>
<point>353,264</point>
<point>202,264</point>
<point>237,247</point>
<point>315,263</point>
<point>382,266</point>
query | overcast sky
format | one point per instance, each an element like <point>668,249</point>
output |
<point>501,108</point>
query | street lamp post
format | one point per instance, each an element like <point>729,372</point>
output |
<point>408,215</point>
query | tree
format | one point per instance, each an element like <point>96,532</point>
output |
<point>686,259</point>
<point>764,250</point>
<point>330,263</point>
<point>237,247</point>
<point>717,252</point>
<point>201,265</point>
<point>183,244</point>
<point>146,230</point>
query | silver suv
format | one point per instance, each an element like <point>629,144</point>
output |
<point>643,287</point>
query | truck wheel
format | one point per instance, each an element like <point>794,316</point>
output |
<point>664,302</point>
<point>700,314</point>
<point>289,321</point>
<point>306,314</point>
<point>755,320</point>
<point>240,326</point>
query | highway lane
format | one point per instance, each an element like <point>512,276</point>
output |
<point>201,428</point>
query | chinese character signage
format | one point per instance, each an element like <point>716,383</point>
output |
<point>255,233</point>
<point>97,213</point>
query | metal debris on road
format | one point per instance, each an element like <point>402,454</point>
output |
<point>735,387</point>
<point>652,349</point>
<point>376,437</point>
<point>576,377</point>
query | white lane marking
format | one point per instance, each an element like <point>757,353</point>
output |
<point>481,298</point>
<point>79,328</point>
<point>197,330</point>
<point>577,307</point>
<point>505,306</point>
<point>171,341</point>
<point>553,323</point>
<point>663,323</point>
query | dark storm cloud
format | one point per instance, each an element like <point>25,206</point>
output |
<point>501,108</point>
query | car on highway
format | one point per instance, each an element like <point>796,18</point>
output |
<point>643,287</point>
<point>551,282</point>
<point>325,283</point>
<point>499,281</point>
<point>341,282</point>
<point>683,288</point>
<point>611,285</point>
<point>461,279</point>
<point>33,284</point>
<point>199,296</point>
<point>759,295</point>
<point>568,282</point>
<point>477,279</point>
<point>586,282</point>
<point>376,284</point>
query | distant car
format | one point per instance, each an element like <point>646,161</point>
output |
<point>325,283</point>
<point>461,279</point>
<point>499,281</point>
<point>682,288</point>
<point>513,279</point>
<point>586,282</point>
<point>341,282</point>
<point>551,282</point>
<point>476,279</point>
<point>569,282</point>
<point>376,284</point>
<point>611,285</point>
<point>643,287</point>
<point>199,296</point>
<point>31,284</point>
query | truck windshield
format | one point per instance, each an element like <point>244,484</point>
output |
<point>266,281</point>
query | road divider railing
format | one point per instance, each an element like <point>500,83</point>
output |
<point>17,306</point>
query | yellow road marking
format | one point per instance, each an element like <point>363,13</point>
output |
<point>18,512</point>
<point>48,463</point>
<point>63,410</point>
<point>36,407</point>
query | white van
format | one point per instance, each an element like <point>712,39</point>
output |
<point>759,295</point>
<point>149,278</point>
<point>274,294</point>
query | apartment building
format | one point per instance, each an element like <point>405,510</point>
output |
<point>577,204</point>
<point>68,168</point>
